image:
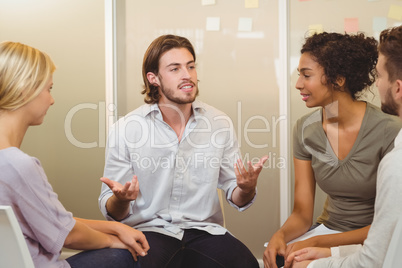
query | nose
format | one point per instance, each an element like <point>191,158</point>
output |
<point>51,100</point>
<point>299,84</point>
<point>186,73</point>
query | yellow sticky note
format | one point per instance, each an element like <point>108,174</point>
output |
<point>351,25</point>
<point>251,3</point>
<point>395,12</point>
<point>315,28</point>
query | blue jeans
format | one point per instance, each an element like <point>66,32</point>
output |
<point>197,249</point>
<point>103,258</point>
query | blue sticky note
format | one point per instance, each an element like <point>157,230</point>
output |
<point>379,24</point>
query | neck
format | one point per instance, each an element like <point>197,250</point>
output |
<point>176,113</point>
<point>12,129</point>
<point>176,116</point>
<point>343,111</point>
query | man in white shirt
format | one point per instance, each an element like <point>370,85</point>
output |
<point>388,201</point>
<point>164,162</point>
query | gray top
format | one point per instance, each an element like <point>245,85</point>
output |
<point>349,183</point>
<point>388,210</point>
<point>43,220</point>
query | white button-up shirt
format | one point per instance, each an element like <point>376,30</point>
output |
<point>178,180</point>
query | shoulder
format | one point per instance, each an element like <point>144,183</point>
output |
<point>377,116</point>
<point>17,158</point>
<point>206,109</point>
<point>136,116</point>
<point>215,117</point>
<point>380,123</point>
<point>311,120</point>
<point>209,116</point>
<point>15,164</point>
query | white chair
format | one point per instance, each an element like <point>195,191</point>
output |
<point>393,258</point>
<point>13,248</point>
<point>220,195</point>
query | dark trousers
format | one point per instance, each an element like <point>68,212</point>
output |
<point>197,249</point>
<point>103,258</point>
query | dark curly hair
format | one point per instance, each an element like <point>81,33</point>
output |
<point>152,56</point>
<point>391,47</point>
<point>352,57</point>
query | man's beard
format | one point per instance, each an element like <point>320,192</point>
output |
<point>389,105</point>
<point>169,94</point>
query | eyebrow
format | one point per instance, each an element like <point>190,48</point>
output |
<point>304,69</point>
<point>178,64</point>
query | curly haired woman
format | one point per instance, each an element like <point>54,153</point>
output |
<point>337,146</point>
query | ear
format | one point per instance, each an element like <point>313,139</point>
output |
<point>340,80</point>
<point>153,79</point>
<point>398,90</point>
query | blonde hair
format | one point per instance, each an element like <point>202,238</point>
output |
<point>24,71</point>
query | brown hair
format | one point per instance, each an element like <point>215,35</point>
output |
<point>152,56</point>
<point>391,47</point>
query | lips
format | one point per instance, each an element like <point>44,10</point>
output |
<point>305,97</point>
<point>186,87</point>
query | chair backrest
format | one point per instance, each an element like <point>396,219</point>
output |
<point>393,258</point>
<point>13,248</point>
<point>220,195</point>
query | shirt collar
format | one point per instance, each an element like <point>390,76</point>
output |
<point>197,106</point>
<point>398,138</point>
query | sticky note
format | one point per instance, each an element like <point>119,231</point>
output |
<point>379,24</point>
<point>351,25</point>
<point>395,12</point>
<point>213,23</point>
<point>251,3</point>
<point>315,28</point>
<point>208,2</point>
<point>245,25</point>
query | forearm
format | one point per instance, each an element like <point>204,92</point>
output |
<point>242,198</point>
<point>84,237</point>
<point>296,225</point>
<point>107,227</point>
<point>117,209</point>
<point>346,238</point>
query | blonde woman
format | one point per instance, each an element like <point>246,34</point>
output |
<point>25,96</point>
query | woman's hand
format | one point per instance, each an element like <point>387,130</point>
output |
<point>306,254</point>
<point>133,239</point>
<point>276,246</point>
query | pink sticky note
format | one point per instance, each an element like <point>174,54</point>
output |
<point>351,25</point>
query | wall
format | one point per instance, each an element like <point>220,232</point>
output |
<point>72,33</point>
